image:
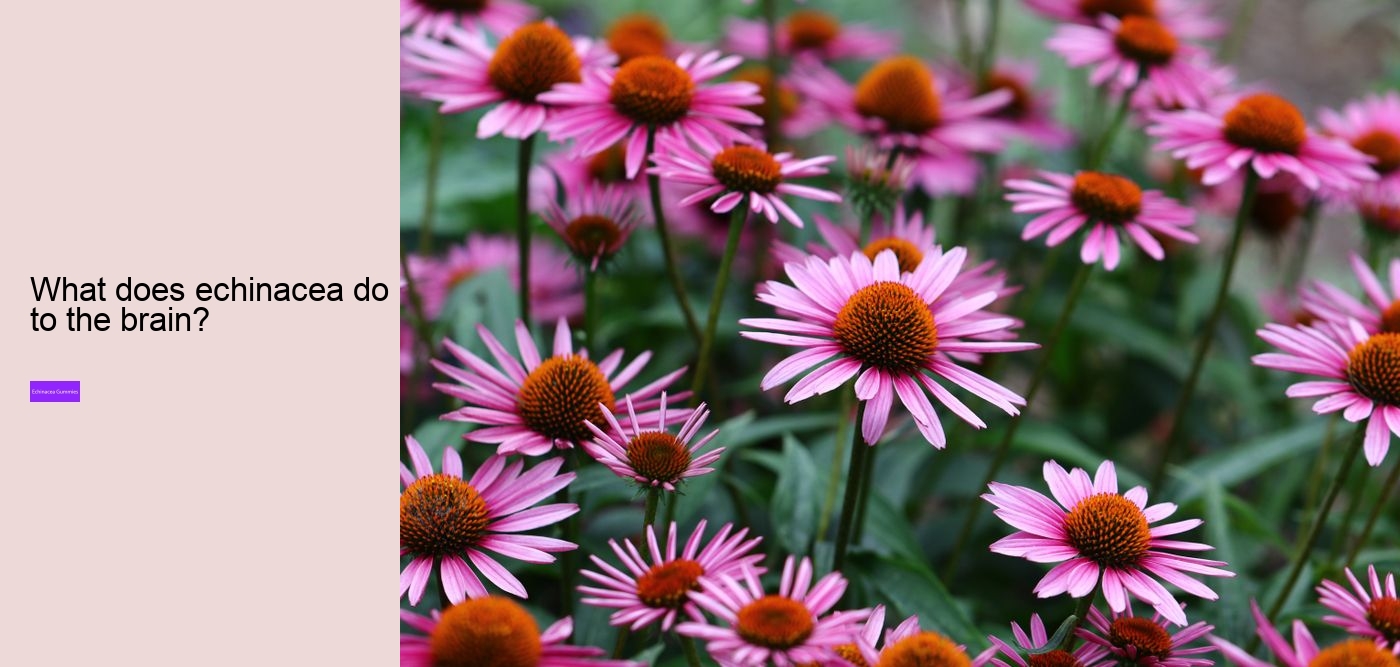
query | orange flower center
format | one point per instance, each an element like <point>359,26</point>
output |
<point>1354,653</point>
<point>1056,658</point>
<point>925,649</point>
<point>1118,8</point>
<point>1106,197</point>
<point>1373,368</point>
<point>1142,634</point>
<point>658,455</point>
<point>888,326</point>
<point>486,632</point>
<point>666,585</point>
<point>747,169</point>
<point>1274,212</point>
<point>460,6</point>
<point>1384,615</point>
<point>1390,317</point>
<point>851,653</point>
<point>1021,100</point>
<point>593,235</point>
<point>609,165</point>
<point>761,77</point>
<point>653,90</point>
<point>637,35</point>
<point>1109,530</point>
<point>1382,145</point>
<point>439,515</point>
<point>900,91</point>
<point>560,394</point>
<point>531,60</point>
<point>808,29</point>
<point>775,622</point>
<point>1145,40</point>
<point>908,254</point>
<point>1382,216</point>
<point>1266,123</point>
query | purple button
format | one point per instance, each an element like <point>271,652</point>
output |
<point>54,391</point>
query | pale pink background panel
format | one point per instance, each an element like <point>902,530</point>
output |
<point>222,497</point>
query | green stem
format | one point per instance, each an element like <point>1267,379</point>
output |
<point>848,506</point>
<point>771,109</point>
<point>1314,530</point>
<point>1081,611</point>
<point>1222,293</point>
<point>833,481</point>
<point>653,499</point>
<point>1076,288</point>
<point>1242,21</point>
<point>419,320</point>
<point>1319,467</point>
<point>1300,254</point>
<point>522,222</point>
<point>1105,144</point>
<point>1381,504</point>
<point>707,343</point>
<point>1358,496</point>
<point>962,31</point>
<point>867,470</point>
<point>436,129</point>
<point>590,312</point>
<point>692,655</point>
<point>667,251</point>
<point>989,41</point>
<point>620,646</point>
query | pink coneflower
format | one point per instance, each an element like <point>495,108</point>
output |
<point>434,18</point>
<point>894,330</point>
<point>1363,379</point>
<point>1136,51</point>
<point>493,631</point>
<point>1188,18</point>
<point>654,458</point>
<point>1305,652</point>
<point>734,174</point>
<point>1030,113</point>
<point>546,403</point>
<point>466,73</point>
<point>1379,208</point>
<point>675,97</point>
<point>798,115</point>
<point>1381,315</point>
<point>812,34</point>
<point>637,35</point>
<point>555,289</point>
<point>562,176</point>
<point>1108,204</point>
<point>1279,203</point>
<point>1372,126</point>
<point>1096,531</point>
<point>445,520</point>
<point>907,644</point>
<point>900,105</point>
<point>1264,132</point>
<point>664,588</point>
<point>787,628</point>
<point>594,224</point>
<point>1033,645</point>
<point>1363,612</point>
<point>876,180</point>
<point>1145,642</point>
<point>907,235</point>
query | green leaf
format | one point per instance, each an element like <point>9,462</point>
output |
<point>1053,442</point>
<point>914,589</point>
<point>794,506</point>
<point>1246,461</point>
<point>891,530</point>
<point>734,435</point>
<point>487,299</point>
<point>1233,617</point>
